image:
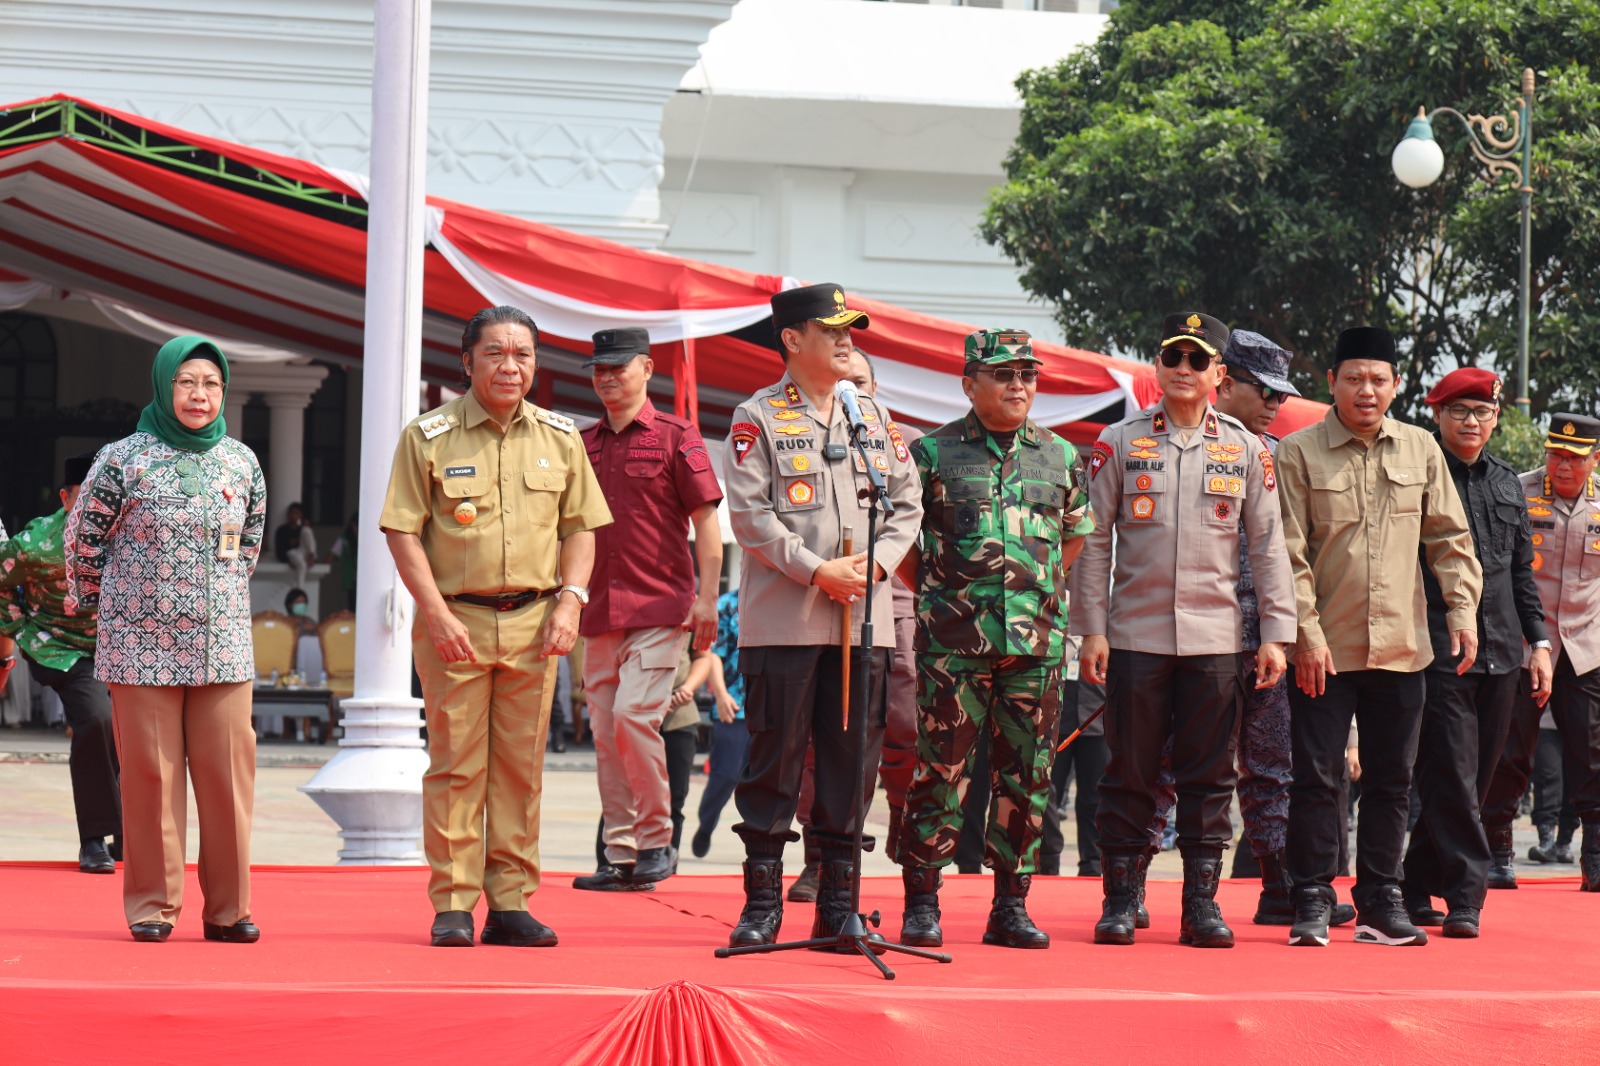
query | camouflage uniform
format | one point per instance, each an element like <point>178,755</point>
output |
<point>990,629</point>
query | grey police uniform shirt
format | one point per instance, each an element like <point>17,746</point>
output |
<point>788,503</point>
<point>1566,567</point>
<point>1177,510</point>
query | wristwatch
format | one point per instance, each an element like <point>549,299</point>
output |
<point>1541,645</point>
<point>578,591</point>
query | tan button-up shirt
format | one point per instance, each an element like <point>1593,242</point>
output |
<point>522,492</point>
<point>1354,516</point>
<point>788,504</point>
<point>1566,567</point>
<point>1177,510</point>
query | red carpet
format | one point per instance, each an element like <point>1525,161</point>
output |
<point>343,974</point>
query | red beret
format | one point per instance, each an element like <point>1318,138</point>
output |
<point>1468,383</point>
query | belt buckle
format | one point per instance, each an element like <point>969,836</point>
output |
<point>509,604</point>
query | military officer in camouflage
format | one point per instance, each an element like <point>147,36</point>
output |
<point>1005,512</point>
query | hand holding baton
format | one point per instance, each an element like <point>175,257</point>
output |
<point>1078,732</point>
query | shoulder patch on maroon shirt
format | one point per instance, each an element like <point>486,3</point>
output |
<point>694,454</point>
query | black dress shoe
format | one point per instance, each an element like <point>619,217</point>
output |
<point>517,929</point>
<point>701,844</point>
<point>611,878</point>
<point>451,929</point>
<point>652,865</point>
<point>244,931</point>
<point>150,932</point>
<point>93,858</point>
<point>558,743</point>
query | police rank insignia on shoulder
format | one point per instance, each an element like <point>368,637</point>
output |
<point>1211,424</point>
<point>791,393</point>
<point>742,435</point>
<point>436,425</point>
<point>1158,422</point>
<point>561,422</point>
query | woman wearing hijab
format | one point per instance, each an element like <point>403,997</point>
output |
<point>162,540</point>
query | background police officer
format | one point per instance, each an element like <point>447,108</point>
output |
<point>793,484</point>
<point>1177,482</point>
<point>491,507</point>
<point>1004,516</point>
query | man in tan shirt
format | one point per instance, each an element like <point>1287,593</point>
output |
<point>794,483</point>
<point>1361,495</point>
<point>490,516</point>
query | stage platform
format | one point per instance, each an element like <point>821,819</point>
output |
<point>343,973</point>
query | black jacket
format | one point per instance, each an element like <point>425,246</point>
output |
<point>1509,612</point>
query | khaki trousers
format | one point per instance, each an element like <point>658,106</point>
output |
<point>627,676</point>
<point>158,729</point>
<point>486,734</point>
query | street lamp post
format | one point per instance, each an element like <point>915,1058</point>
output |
<point>1496,141</point>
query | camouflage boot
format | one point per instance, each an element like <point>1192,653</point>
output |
<point>1502,864</point>
<point>1009,924</point>
<point>1121,874</point>
<point>763,903</point>
<point>1203,926</point>
<point>919,925</point>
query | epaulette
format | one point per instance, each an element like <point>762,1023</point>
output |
<point>561,422</point>
<point>433,426</point>
<point>673,420</point>
<point>1232,421</point>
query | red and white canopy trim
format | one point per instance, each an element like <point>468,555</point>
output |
<point>169,231</point>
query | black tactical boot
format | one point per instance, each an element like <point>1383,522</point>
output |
<point>833,898</point>
<point>1119,914</point>
<point>1275,907</point>
<point>1141,914</point>
<point>897,821</point>
<point>1545,850</point>
<point>1009,924</point>
<point>919,925</point>
<point>1563,851</point>
<point>763,902</point>
<point>1502,867</point>
<point>1589,857</point>
<point>1202,925</point>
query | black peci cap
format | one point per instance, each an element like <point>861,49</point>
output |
<point>1365,342</point>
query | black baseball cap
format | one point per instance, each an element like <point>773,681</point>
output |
<point>1207,332</point>
<point>815,303</point>
<point>614,347</point>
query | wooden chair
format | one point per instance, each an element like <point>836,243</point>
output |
<point>337,634</point>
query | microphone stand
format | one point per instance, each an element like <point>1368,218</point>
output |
<point>853,935</point>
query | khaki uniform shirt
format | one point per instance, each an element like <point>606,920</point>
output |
<point>788,504</point>
<point>1354,516</point>
<point>1566,567</point>
<point>528,488</point>
<point>1177,510</point>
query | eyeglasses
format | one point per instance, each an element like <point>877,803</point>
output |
<point>1461,412</point>
<point>211,386</point>
<point>1268,393</point>
<point>1199,361</point>
<point>1004,375</point>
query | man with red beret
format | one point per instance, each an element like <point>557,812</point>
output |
<point>1465,718</point>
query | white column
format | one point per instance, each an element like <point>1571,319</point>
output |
<point>288,396</point>
<point>373,786</point>
<point>233,408</point>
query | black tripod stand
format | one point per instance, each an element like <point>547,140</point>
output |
<point>853,935</point>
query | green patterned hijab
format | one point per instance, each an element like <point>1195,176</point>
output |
<point>160,418</point>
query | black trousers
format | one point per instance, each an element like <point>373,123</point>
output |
<point>975,810</point>
<point>1197,700</point>
<point>792,697</point>
<point>1575,706</point>
<point>96,791</point>
<point>1552,807</point>
<point>1464,725</point>
<point>1086,761</point>
<point>1387,707</point>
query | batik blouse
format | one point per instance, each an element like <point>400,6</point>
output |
<point>146,549</point>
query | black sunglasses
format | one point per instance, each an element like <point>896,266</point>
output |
<point>1004,375</point>
<point>1268,393</point>
<point>1198,361</point>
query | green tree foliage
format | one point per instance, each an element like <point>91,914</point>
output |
<point>1234,157</point>
<point>1518,440</point>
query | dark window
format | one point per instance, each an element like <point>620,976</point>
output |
<point>27,366</point>
<point>323,491</point>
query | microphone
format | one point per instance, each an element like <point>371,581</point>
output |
<point>844,390</point>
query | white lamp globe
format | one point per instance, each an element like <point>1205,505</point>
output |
<point>1417,159</point>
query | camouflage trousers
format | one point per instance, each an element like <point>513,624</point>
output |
<point>1015,700</point>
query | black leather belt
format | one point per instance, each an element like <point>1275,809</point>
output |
<point>506,601</point>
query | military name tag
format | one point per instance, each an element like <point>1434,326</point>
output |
<point>460,471</point>
<point>228,540</point>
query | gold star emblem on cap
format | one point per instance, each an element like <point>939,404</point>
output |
<point>838,299</point>
<point>1569,429</point>
<point>1193,322</point>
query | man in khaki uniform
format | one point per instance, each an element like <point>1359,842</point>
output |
<point>490,516</point>
<point>1363,495</point>
<point>1162,627</point>
<point>793,482</point>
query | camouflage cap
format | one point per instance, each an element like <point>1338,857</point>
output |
<point>996,347</point>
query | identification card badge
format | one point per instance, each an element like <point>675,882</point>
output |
<point>228,540</point>
<point>1073,668</point>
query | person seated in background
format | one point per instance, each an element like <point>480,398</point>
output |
<point>294,543</point>
<point>297,605</point>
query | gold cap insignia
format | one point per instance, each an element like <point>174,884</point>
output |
<point>1193,322</point>
<point>838,299</point>
<point>1569,429</point>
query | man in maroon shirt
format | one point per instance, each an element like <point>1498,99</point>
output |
<point>657,478</point>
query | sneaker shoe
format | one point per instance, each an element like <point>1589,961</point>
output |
<point>611,878</point>
<point>1421,911</point>
<point>1461,923</point>
<point>1310,928</point>
<point>1343,914</point>
<point>1384,921</point>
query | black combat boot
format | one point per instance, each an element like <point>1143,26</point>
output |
<point>1502,866</point>
<point>833,898</point>
<point>1563,852</point>
<point>1141,913</point>
<point>763,902</point>
<point>1545,850</point>
<point>1203,926</point>
<point>1275,907</point>
<point>919,925</point>
<point>1009,924</point>
<point>1119,915</point>
<point>1589,857</point>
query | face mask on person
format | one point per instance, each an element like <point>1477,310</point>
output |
<point>299,609</point>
